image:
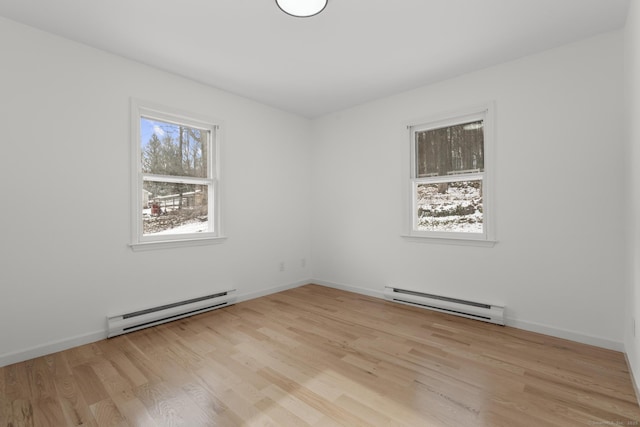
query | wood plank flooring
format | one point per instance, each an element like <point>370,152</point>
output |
<point>315,356</point>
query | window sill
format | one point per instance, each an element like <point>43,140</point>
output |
<point>166,244</point>
<point>450,241</point>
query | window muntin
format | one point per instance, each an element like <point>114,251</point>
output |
<point>448,178</point>
<point>176,181</point>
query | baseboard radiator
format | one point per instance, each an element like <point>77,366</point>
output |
<point>469,309</point>
<point>129,322</point>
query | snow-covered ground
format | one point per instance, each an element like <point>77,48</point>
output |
<point>189,227</point>
<point>459,209</point>
<point>172,223</point>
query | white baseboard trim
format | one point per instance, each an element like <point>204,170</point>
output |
<point>51,347</point>
<point>269,291</point>
<point>515,323</point>
<point>633,377</point>
<point>67,343</point>
<point>565,334</point>
<point>349,288</point>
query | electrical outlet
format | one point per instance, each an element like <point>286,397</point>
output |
<point>281,265</point>
<point>303,262</point>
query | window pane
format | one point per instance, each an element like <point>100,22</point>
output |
<point>450,206</point>
<point>170,208</point>
<point>170,149</point>
<point>450,150</point>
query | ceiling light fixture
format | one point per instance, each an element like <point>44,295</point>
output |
<point>302,8</point>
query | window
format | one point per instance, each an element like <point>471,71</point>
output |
<point>449,181</point>
<point>176,178</point>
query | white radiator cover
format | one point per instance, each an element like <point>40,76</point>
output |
<point>133,321</point>
<point>469,309</point>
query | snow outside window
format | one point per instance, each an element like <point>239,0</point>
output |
<point>448,178</point>
<point>175,188</point>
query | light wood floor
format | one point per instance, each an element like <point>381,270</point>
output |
<point>322,357</point>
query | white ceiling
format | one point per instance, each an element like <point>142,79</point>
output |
<point>354,51</point>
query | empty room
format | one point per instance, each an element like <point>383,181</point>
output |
<point>320,213</point>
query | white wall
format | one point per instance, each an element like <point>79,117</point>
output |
<point>65,223</point>
<point>632,91</point>
<point>559,264</point>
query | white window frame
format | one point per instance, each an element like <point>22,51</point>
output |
<point>143,109</point>
<point>483,112</point>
